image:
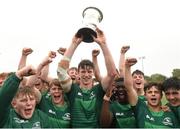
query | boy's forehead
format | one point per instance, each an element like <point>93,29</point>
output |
<point>23,96</point>
<point>56,86</point>
<point>153,88</point>
<point>71,70</point>
<point>172,90</point>
<point>86,67</point>
<point>137,74</point>
<point>120,87</point>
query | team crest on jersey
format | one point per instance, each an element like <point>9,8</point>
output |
<point>36,125</point>
<point>66,116</point>
<point>92,95</point>
<point>167,121</point>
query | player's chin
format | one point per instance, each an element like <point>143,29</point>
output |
<point>28,115</point>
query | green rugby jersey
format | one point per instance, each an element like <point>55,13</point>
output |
<point>142,97</point>
<point>38,120</point>
<point>59,112</point>
<point>85,106</point>
<point>176,111</point>
<point>8,116</point>
<point>123,115</point>
<point>146,118</point>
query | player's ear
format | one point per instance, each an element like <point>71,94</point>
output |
<point>14,103</point>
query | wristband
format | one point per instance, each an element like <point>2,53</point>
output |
<point>66,58</point>
<point>62,74</point>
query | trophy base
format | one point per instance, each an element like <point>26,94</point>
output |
<point>87,34</point>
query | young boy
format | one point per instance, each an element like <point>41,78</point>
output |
<point>23,114</point>
<point>171,88</point>
<point>85,98</point>
<point>150,114</point>
<point>116,110</point>
<point>54,103</point>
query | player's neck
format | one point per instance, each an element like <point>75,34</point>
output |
<point>86,86</point>
<point>154,108</point>
<point>60,103</point>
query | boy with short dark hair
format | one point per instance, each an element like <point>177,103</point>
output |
<point>85,97</point>
<point>150,114</point>
<point>171,88</point>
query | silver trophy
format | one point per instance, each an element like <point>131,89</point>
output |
<point>92,16</point>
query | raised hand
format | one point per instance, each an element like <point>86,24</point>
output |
<point>101,39</point>
<point>26,51</point>
<point>130,62</point>
<point>48,59</point>
<point>61,50</point>
<point>124,49</point>
<point>165,108</point>
<point>52,54</point>
<point>95,52</point>
<point>76,39</point>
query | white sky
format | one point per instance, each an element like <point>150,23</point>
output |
<point>150,27</point>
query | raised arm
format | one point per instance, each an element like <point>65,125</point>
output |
<point>128,82</point>
<point>44,72</point>
<point>124,49</point>
<point>25,53</point>
<point>106,115</point>
<point>109,62</point>
<point>46,62</point>
<point>22,62</point>
<point>64,63</point>
<point>36,79</point>
<point>95,53</point>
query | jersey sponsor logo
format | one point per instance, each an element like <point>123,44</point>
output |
<point>52,112</point>
<point>122,114</point>
<point>119,114</point>
<point>149,118</point>
<point>36,125</point>
<point>66,116</point>
<point>167,121</point>
<point>19,121</point>
<point>80,94</point>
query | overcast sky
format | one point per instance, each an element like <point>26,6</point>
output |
<point>150,27</point>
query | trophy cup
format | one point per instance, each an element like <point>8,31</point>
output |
<point>92,16</point>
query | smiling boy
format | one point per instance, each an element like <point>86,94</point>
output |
<point>150,114</point>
